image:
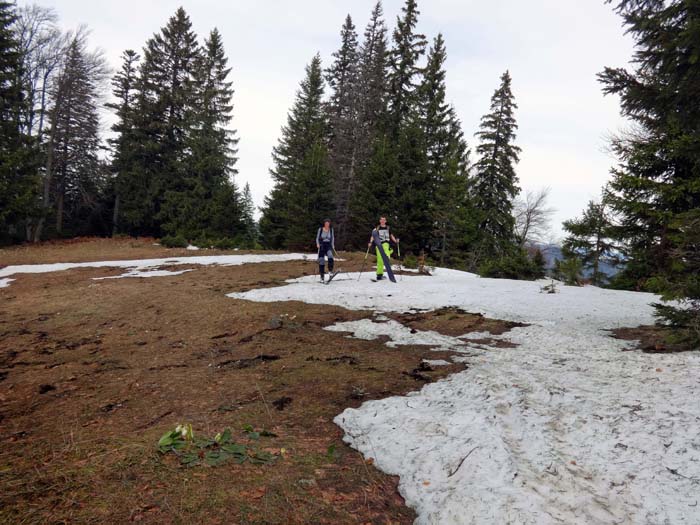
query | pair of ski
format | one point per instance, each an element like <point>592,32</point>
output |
<point>387,263</point>
<point>331,276</point>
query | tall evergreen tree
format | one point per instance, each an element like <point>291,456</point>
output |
<point>344,124</point>
<point>657,185</point>
<point>447,157</point>
<point>451,210</point>
<point>300,198</point>
<point>75,178</point>
<point>207,204</point>
<point>409,183</point>
<point>18,181</point>
<point>370,194</point>
<point>495,184</point>
<point>409,47</point>
<point>165,95</point>
<point>589,239</point>
<point>250,228</point>
<point>125,143</point>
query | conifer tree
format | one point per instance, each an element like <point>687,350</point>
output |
<point>165,94</point>
<point>370,196</point>
<point>495,184</point>
<point>451,210</point>
<point>344,124</point>
<point>75,178</point>
<point>300,199</point>
<point>409,183</point>
<point>655,188</point>
<point>409,47</point>
<point>207,204</point>
<point>250,228</point>
<point>125,143</point>
<point>589,239</point>
<point>18,182</point>
<point>447,156</point>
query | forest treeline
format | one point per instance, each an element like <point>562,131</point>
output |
<point>369,133</point>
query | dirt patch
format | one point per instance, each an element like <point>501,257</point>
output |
<point>94,372</point>
<point>650,339</point>
<point>457,322</point>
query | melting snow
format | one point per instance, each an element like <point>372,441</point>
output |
<point>145,267</point>
<point>565,428</point>
<point>4,283</point>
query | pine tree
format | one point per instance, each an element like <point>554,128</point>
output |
<point>165,95</point>
<point>446,191</point>
<point>590,240</point>
<point>495,183</point>
<point>207,204</point>
<point>370,194</point>
<point>656,187</point>
<point>409,184</point>
<point>250,228</point>
<point>344,124</point>
<point>125,144</point>
<point>75,177</point>
<point>451,210</point>
<point>300,198</point>
<point>409,47</point>
<point>18,182</point>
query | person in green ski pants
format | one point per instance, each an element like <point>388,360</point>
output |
<point>385,235</point>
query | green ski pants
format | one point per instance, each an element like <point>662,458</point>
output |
<point>380,262</point>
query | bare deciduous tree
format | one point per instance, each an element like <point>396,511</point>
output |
<point>532,217</point>
<point>43,46</point>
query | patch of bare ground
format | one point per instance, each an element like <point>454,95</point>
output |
<point>457,322</point>
<point>92,373</point>
<point>651,339</point>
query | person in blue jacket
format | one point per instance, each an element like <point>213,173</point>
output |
<point>325,242</point>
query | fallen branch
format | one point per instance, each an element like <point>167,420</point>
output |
<point>674,471</point>
<point>462,462</point>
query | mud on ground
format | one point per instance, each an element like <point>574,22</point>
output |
<point>92,373</point>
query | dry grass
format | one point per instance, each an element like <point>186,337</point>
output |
<point>93,372</point>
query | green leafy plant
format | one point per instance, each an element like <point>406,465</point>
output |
<point>194,450</point>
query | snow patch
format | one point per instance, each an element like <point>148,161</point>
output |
<point>143,273</point>
<point>397,333</point>
<point>192,247</point>
<point>4,283</point>
<point>142,265</point>
<point>566,428</point>
<point>436,362</point>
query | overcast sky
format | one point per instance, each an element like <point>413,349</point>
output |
<point>553,49</point>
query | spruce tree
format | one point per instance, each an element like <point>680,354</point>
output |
<point>250,228</point>
<point>344,125</point>
<point>589,239</point>
<point>447,153</point>
<point>370,195</point>
<point>494,184</point>
<point>655,188</point>
<point>18,155</point>
<point>409,184</point>
<point>165,95</point>
<point>125,143</point>
<point>451,210</point>
<point>75,177</point>
<point>207,204</point>
<point>300,199</point>
<point>409,47</point>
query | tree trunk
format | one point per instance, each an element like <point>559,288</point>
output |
<point>115,216</point>
<point>59,209</point>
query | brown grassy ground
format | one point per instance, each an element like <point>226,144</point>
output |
<point>652,339</point>
<point>92,373</point>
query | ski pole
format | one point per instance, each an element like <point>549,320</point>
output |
<point>364,262</point>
